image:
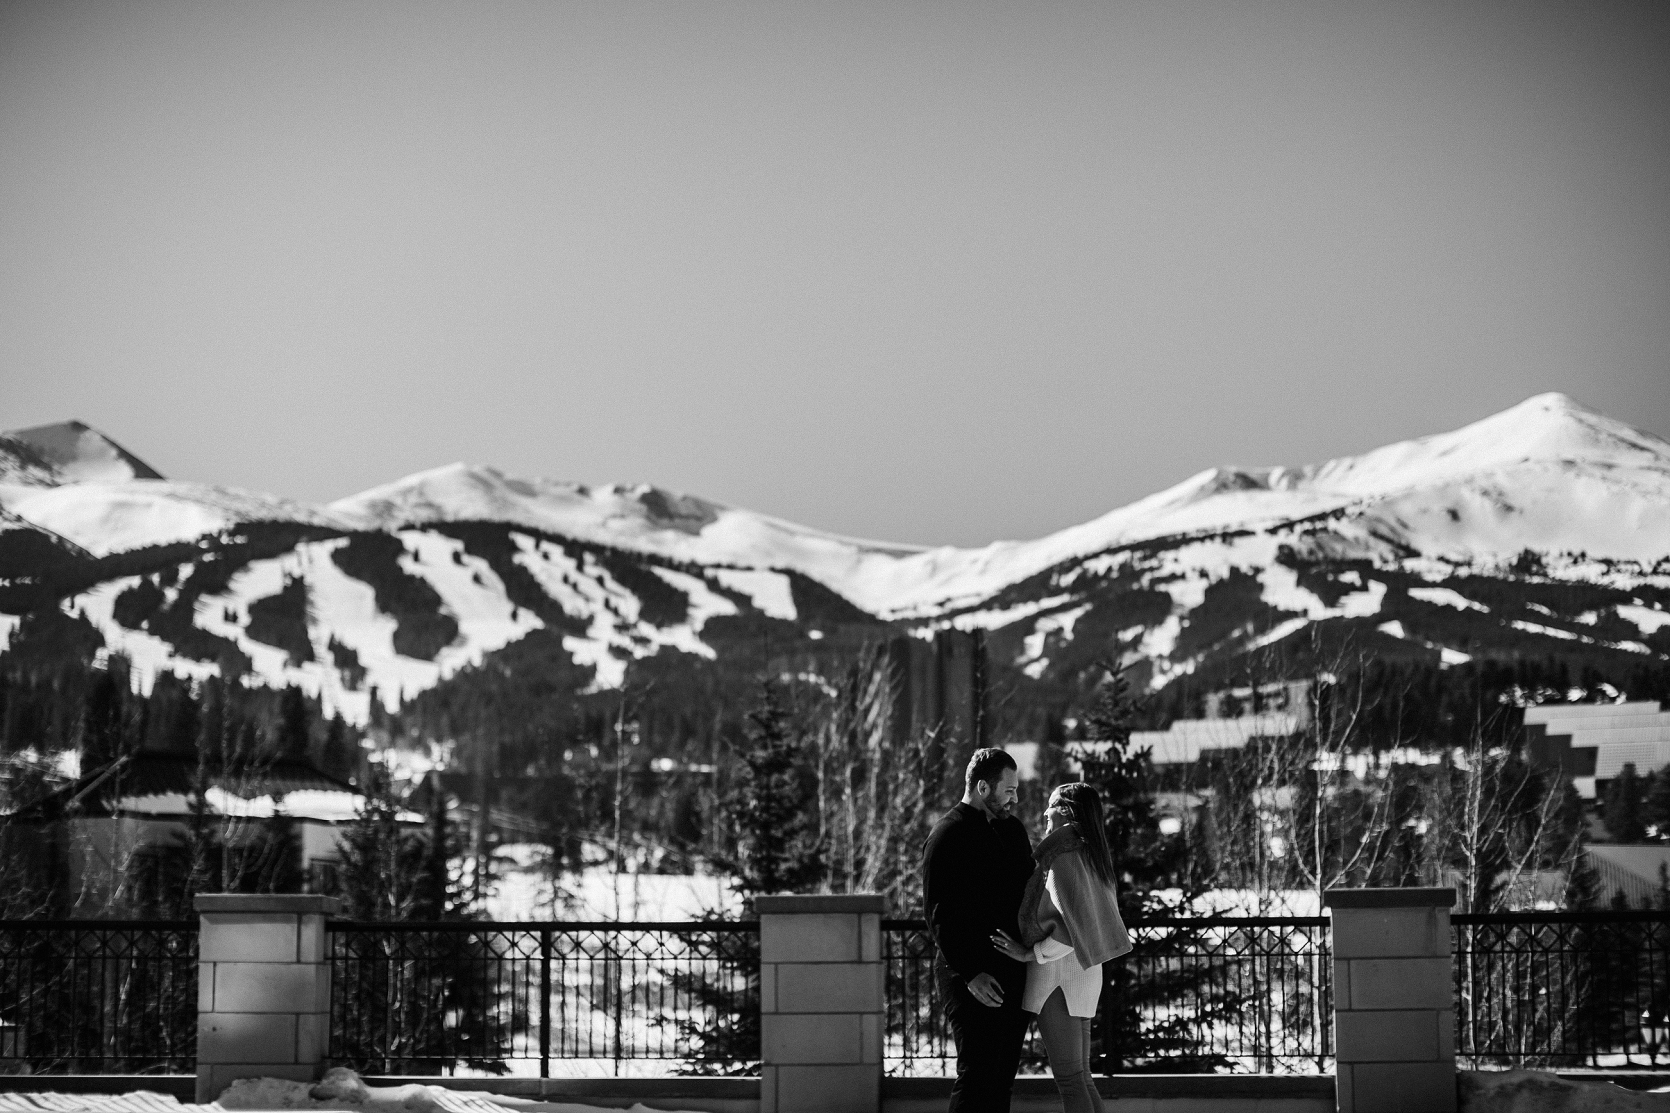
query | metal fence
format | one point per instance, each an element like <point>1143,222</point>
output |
<point>1547,989</point>
<point>98,997</point>
<point>1563,989</point>
<point>574,998</point>
<point>1240,994</point>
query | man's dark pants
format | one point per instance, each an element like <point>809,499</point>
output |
<point>988,1047</point>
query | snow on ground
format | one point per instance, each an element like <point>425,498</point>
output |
<point>1646,619</point>
<point>997,618</point>
<point>1446,656</point>
<point>704,602</point>
<point>1535,1091</point>
<point>113,517</point>
<point>471,592</point>
<point>1446,597</point>
<point>340,1089</point>
<point>617,632</point>
<point>771,592</point>
<point>1567,635</point>
<point>150,655</point>
<point>1060,626</point>
<point>1282,591</point>
<point>524,891</point>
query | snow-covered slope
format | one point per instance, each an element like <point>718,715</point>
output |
<point>1546,474</point>
<point>68,452</point>
<point>105,517</point>
<point>1545,528</point>
<point>75,483</point>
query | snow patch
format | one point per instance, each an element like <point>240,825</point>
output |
<point>1032,659</point>
<point>1646,619</point>
<point>1446,597</point>
<point>770,592</point>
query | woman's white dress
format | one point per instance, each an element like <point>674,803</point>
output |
<point>1054,964</point>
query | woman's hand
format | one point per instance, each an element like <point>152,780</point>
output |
<point>1007,943</point>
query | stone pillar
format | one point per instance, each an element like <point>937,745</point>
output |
<point>822,1005</point>
<point>1394,1000</point>
<point>263,988</point>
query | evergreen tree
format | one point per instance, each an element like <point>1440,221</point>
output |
<point>382,864</point>
<point>769,810</point>
<point>295,740</point>
<point>1143,858</point>
<point>437,897</point>
<point>777,852</point>
<point>1655,812</point>
<point>185,724</point>
<point>1624,806</point>
<point>102,718</point>
<point>277,866</point>
<point>340,754</point>
<point>1180,999</point>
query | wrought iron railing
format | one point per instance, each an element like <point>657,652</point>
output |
<point>98,997</point>
<point>1244,994</point>
<point>1563,989</point>
<point>569,998</point>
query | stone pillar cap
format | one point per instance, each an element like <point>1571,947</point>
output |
<point>293,904</point>
<point>821,902</point>
<point>1388,898</point>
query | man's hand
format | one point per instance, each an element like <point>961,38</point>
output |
<point>985,989</point>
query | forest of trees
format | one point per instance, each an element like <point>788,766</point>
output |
<point>789,779</point>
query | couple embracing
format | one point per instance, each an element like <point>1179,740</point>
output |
<point>1022,933</point>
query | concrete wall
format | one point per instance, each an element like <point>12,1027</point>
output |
<point>822,1004</point>
<point>263,989</point>
<point>1394,1000</point>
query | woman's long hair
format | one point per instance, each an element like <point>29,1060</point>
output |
<point>1086,804</point>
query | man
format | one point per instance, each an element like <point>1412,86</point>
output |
<point>975,866</point>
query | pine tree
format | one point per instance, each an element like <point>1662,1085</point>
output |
<point>1186,998</point>
<point>295,740</point>
<point>437,897</point>
<point>102,719</point>
<point>381,862</point>
<point>1655,812</point>
<point>776,850</point>
<point>1143,858</point>
<point>769,810</point>
<point>185,725</point>
<point>340,755</point>
<point>1623,813</point>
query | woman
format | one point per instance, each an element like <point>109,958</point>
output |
<point>1070,925</point>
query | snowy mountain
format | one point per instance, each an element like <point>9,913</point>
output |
<point>68,452</point>
<point>1541,530</point>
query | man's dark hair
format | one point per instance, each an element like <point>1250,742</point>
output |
<point>987,765</point>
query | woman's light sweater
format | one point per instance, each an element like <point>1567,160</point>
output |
<point>1055,966</point>
<point>1070,918</point>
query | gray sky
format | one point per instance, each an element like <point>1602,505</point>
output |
<point>926,272</point>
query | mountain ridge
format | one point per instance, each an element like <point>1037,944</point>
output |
<point>1547,521</point>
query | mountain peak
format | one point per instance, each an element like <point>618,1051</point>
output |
<point>68,452</point>
<point>1548,429</point>
<point>463,492</point>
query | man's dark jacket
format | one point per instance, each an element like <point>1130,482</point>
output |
<point>974,871</point>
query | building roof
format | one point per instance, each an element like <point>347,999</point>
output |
<point>1632,869</point>
<point>1188,738</point>
<point>1635,733</point>
<point>162,785</point>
